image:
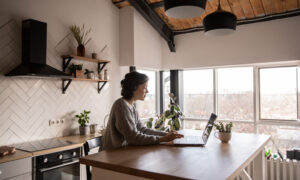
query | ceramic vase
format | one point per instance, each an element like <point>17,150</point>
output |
<point>80,50</point>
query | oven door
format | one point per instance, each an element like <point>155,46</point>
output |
<point>66,171</point>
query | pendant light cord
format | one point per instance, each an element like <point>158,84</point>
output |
<point>219,6</point>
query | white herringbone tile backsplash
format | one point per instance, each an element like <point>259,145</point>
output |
<point>27,105</point>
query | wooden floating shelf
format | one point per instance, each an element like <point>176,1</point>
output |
<point>85,59</point>
<point>67,81</point>
<point>93,80</point>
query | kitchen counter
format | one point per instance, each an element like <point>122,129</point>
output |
<point>15,156</point>
<point>78,141</point>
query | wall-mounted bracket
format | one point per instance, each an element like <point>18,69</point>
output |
<point>66,62</point>
<point>101,86</point>
<point>101,66</point>
<point>64,85</point>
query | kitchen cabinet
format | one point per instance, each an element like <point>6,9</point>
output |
<point>16,170</point>
<point>66,61</point>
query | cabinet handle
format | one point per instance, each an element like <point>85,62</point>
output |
<point>0,172</point>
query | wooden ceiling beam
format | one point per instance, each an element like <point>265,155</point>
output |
<point>156,4</point>
<point>158,24</point>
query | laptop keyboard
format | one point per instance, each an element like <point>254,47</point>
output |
<point>189,140</point>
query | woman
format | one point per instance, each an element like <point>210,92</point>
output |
<point>124,127</point>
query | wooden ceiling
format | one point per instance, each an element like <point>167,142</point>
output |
<point>245,11</point>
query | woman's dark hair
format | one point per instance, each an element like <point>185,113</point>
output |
<point>131,82</point>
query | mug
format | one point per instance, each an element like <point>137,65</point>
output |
<point>223,136</point>
<point>93,128</point>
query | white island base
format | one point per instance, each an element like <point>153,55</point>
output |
<point>98,173</point>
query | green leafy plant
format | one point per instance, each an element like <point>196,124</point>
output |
<point>227,127</point>
<point>80,34</point>
<point>83,118</point>
<point>88,71</point>
<point>169,120</point>
<point>75,67</point>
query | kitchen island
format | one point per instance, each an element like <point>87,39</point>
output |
<point>214,161</point>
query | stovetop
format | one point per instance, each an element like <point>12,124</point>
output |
<point>43,144</point>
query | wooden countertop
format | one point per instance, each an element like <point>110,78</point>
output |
<point>214,161</point>
<point>15,156</point>
<point>79,140</point>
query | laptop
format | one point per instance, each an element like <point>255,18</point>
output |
<point>197,140</point>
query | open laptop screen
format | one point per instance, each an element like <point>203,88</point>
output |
<point>209,127</point>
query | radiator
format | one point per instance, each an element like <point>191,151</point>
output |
<point>286,169</point>
<point>277,169</point>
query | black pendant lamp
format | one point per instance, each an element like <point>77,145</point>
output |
<point>219,23</point>
<point>184,8</point>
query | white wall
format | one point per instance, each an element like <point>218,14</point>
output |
<point>270,41</point>
<point>27,105</point>
<point>139,37</point>
<point>126,31</point>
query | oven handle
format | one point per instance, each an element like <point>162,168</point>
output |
<point>58,166</point>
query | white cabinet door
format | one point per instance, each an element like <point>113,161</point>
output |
<point>15,168</point>
<point>27,176</point>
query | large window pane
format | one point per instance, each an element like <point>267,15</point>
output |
<point>237,127</point>
<point>166,89</point>
<point>147,108</point>
<point>278,97</point>
<point>284,137</point>
<point>235,93</point>
<point>198,93</point>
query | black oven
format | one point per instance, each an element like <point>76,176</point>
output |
<point>63,165</point>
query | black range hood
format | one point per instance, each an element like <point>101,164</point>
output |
<point>34,48</point>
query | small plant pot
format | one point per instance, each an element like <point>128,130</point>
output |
<point>223,136</point>
<point>79,74</point>
<point>84,130</point>
<point>90,76</point>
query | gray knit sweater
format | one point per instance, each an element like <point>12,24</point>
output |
<point>124,128</point>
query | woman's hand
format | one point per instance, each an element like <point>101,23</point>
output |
<point>170,136</point>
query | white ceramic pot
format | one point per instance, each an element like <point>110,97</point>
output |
<point>223,136</point>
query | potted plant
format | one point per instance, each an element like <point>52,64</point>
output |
<point>76,70</point>
<point>83,120</point>
<point>169,120</point>
<point>89,74</point>
<point>224,131</point>
<point>81,36</point>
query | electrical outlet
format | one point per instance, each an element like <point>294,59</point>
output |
<point>62,121</point>
<point>51,122</point>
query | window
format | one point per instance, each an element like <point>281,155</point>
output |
<point>284,137</point>
<point>166,89</point>
<point>275,98</point>
<point>278,93</point>
<point>235,93</point>
<point>198,93</point>
<point>147,108</point>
